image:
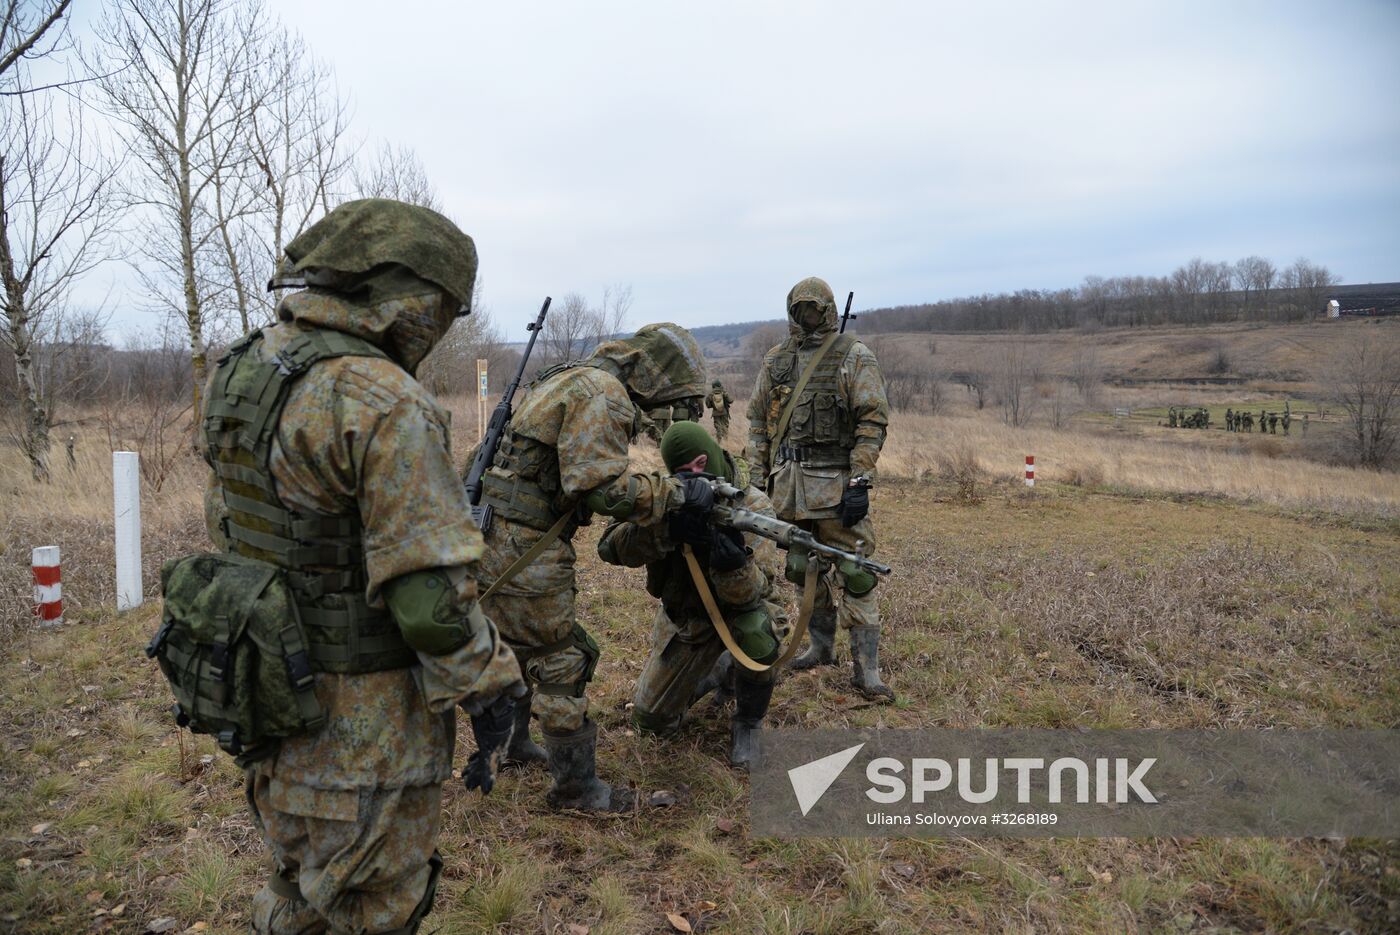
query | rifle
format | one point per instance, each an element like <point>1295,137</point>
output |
<point>786,535</point>
<point>486,451</point>
<point>850,296</point>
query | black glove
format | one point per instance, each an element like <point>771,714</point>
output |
<point>690,524</point>
<point>727,550</point>
<point>855,504</point>
<point>491,728</point>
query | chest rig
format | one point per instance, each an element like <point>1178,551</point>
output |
<point>322,554</point>
<point>822,429</point>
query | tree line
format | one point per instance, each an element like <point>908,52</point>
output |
<point>1197,292</point>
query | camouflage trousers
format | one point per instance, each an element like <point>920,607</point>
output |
<point>721,428</point>
<point>852,610</point>
<point>351,862</point>
<point>682,653</point>
<point>534,613</point>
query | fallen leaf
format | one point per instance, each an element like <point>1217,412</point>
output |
<point>707,906</point>
<point>24,863</point>
<point>573,928</point>
<point>662,798</point>
<point>904,870</point>
<point>197,927</point>
<point>76,732</point>
<point>94,897</point>
<point>118,909</point>
<point>678,922</point>
<point>84,764</point>
<point>41,827</point>
<point>724,826</point>
<point>1104,877</point>
<point>161,926</point>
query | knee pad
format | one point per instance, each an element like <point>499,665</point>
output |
<point>795,568</point>
<point>856,581</point>
<point>753,631</point>
<point>579,639</point>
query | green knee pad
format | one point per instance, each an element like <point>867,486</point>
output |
<point>858,581</point>
<point>425,605</point>
<point>579,639</point>
<point>753,631</point>
<point>795,568</point>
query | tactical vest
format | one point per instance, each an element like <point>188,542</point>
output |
<point>822,428</point>
<point>323,554</point>
<point>522,483</point>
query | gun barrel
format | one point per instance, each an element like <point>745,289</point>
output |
<point>788,536</point>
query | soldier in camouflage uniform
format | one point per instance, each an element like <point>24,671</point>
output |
<point>359,502</point>
<point>564,457</point>
<point>741,573</point>
<point>719,401</point>
<point>656,420</point>
<point>814,465</point>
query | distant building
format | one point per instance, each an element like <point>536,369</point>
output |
<point>1370,300</point>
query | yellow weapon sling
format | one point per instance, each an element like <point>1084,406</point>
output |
<point>809,599</point>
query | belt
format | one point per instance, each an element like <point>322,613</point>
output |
<point>830,455</point>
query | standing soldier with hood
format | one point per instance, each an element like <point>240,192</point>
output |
<point>332,463</point>
<point>817,423</point>
<point>719,401</point>
<point>740,572</point>
<point>564,457</point>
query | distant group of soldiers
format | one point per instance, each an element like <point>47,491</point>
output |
<point>1243,421</point>
<point>1181,419</point>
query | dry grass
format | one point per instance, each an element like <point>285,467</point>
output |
<point>1105,598</point>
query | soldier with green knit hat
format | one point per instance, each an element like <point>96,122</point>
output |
<point>740,571</point>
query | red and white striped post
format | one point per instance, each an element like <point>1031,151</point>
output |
<point>48,589</point>
<point>1030,470</point>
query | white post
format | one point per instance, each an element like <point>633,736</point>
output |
<point>126,500</point>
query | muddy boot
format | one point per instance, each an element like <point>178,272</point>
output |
<point>750,704</point>
<point>523,751</point>
<point>720,680</point>
<point>821,636</point>
<point>572,764</point>
<point>865,664</point>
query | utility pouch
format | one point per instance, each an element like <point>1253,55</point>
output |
<point>233,648</point>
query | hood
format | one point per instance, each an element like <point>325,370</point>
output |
<point>390,308</point>
<point>816,290</point>
<point>360,236</point>
<point>659,364</point>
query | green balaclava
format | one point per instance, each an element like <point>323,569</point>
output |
<point>686,441</point>
<point>815,291</point>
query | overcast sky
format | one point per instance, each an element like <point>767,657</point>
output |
<point>713,154</point>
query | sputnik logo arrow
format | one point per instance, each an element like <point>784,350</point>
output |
<point>811,780</point>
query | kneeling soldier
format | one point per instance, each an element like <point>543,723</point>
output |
<point>739,574</point>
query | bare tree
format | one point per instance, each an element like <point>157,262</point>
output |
<point>1364,375</point>
<point>179,74</point>
<point>1309,282</point>
<point>570,327</point>
<point>54,217</point>
<point>1254,276</point>
<point>396,172</point>
<point>1015,373</point>
<point>610,318</point>
<point>1086,372</point>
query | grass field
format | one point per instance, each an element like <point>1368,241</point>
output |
<point>1148,581</point>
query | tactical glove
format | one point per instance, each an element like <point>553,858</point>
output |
<point>492,728</point>
<point>690,523</point>
<point>855,504</point>
<point>727,550</point>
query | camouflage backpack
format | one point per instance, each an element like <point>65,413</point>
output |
<point>232,646</point>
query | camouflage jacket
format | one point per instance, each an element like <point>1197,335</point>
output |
<point>814,492</point>
<point>719,401</point>
<point>359,434</point>
<point>668,577</point>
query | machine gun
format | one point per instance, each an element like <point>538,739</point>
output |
<point>486,451</point>
<point>728,512</point>
<point>850,297</point>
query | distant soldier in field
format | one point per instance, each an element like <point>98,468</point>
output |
<point>719,401</point>
<point>1287,420</point>
<point>1171,417</point>
<point>1248,422</point>
<point>817,422</point>
<point>1273,423</point>
<point>1263,422</point>
<point>1229,420</point>
<point>1305,425</point>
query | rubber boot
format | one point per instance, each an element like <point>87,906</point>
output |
<point>523,752</point>
<point>821,637</point>
<point>865,664</point>
<point>750,704</point>
<point>573,766</point>
<point>720,680</point>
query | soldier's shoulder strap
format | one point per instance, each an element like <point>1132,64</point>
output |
<point>831,341</point>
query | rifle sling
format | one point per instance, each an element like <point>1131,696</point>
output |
<point>802,381</point>
<point>809,600</point>
<point>532,553</point>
